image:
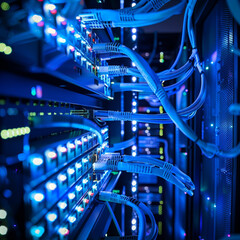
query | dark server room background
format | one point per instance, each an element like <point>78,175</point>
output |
<point>119,119</point>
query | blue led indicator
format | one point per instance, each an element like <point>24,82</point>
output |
<point>37,231</point>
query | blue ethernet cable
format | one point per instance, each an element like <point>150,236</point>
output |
<point>185,113</point>
<point>109,56</point>
<point>131,202</point>
<point>148,165</point>
<point>191,34</point>
<point>154,229</point>
<point>166,75</point>
<point>155,5</point>
<point>122,145</point>
<point>207,148</point>
<point>146,8</point>
<point>143,87</point>
<point>182,40</point>
<point>100,18</point>
<point>234,6</point>
<point>139,117</point>
<point>155,44</point>
<point>115,70</point>
<point>139,207</point>
<point>151,5</point>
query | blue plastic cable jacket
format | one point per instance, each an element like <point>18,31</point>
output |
<point>157,88</point>
<point>178,72</point>
<point>142,221</point>
<point>177,9</point>
<point>122,145</point>
<point>159,121</point>
<point>185,129</point>
<point>166,173</point>
<point>138,5</point>
<point>179,83</point>
<point>143,68</point>
<point>135,167</point>
<point>142,23</point>
<point>146,210</point>
<point>119,87</point>
<point>129,116</point>
<point>127,18</point>
<point>109,56</point>
<point>156,162</point>
<point>147,21</point>
<point>149,160</point>
<point>158,4</point>
<point>191,34</point>
<point>234,152</point>
<point>121,199</point>
<point>200,99</point>
<point>151,18</point>
<point>147,7</point>
<point>187,112</point>
<point>131,71</point>
<point>162,75</point>
<point>234,6</point>
<point>182,40</point>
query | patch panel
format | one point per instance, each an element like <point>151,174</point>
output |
<point>59,184</point>
<point>70,209</point>
<point>51,158</point>
<point>69,36</point>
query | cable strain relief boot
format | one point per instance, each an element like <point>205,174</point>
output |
<point>112,47</point>
<point>117,70</point>
<point>137,168</point>
<point>100,20</point>
<point>125,116</point>
<point>157,4</point>
<point>126,15</point>
<point>167,170</point>
<point>113,197</point>
<point>123,70</point>
<point>134,201</point>
<point>161,94</point>
<point>112,156</point>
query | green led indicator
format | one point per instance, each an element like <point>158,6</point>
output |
<point>8,50</point>
<point>207,68</point>
<point>33,91</point>
<point>185,48</point>
<point>116,191</point>
<point>116,38</point>
<point>2,47</point>
<point>115,173</point>
<point>5,6</point>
